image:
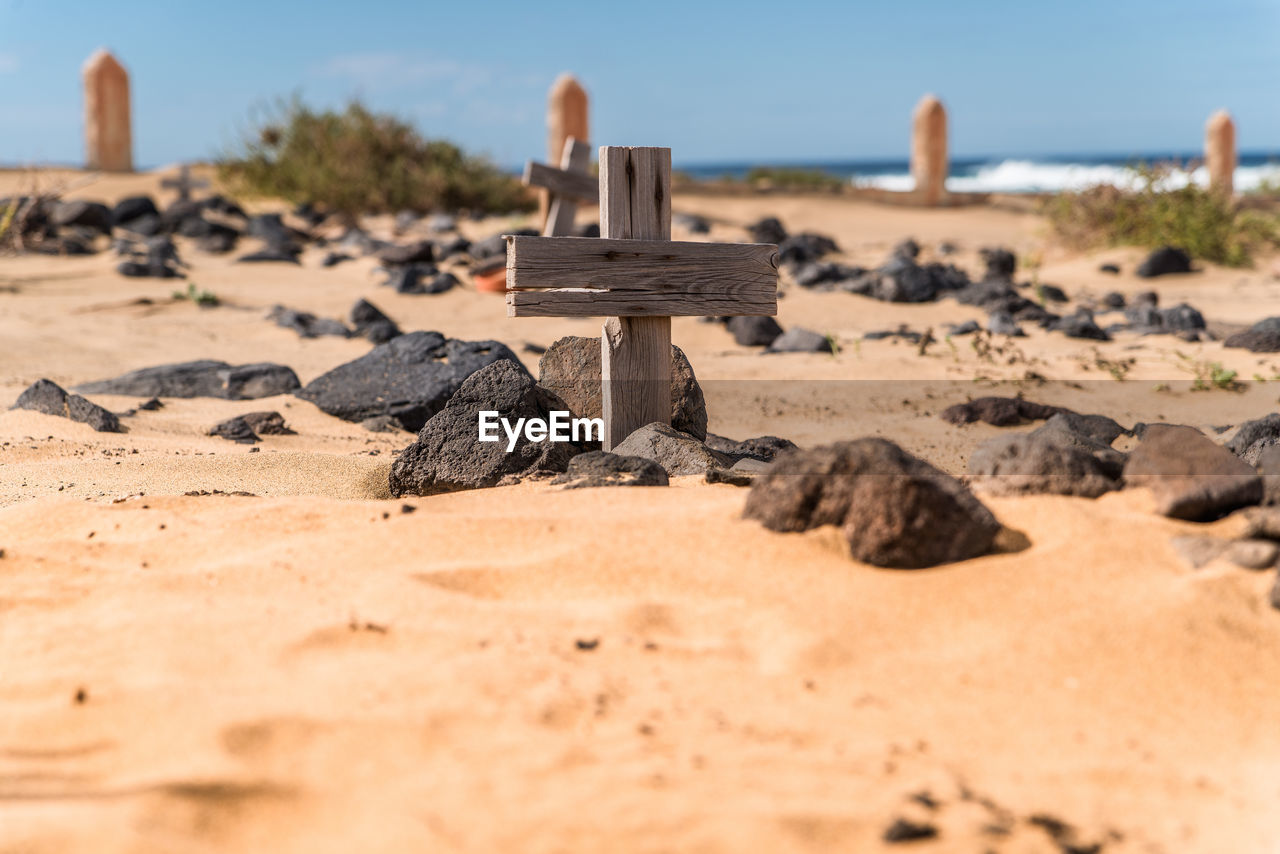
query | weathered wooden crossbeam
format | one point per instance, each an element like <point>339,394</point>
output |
<point>582,186</point>
<point>565,187</point>
<point>567,276</point>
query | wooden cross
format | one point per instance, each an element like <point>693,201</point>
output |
<point>566,186</point>
<point>184,183</point>
<point>641,277</point>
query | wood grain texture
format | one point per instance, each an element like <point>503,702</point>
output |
<point>586,302</point>
<point>564,209</point>
<point>635,352</point>
<point>648,271</point>
<point>581,186</point>
<point>635,375</point>
<point>635,185</point>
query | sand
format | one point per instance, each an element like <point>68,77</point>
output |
<point>317,667</point>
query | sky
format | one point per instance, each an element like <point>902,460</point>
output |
<point>768,82</point>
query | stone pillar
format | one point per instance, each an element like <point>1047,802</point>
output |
<point>107,130</point>
<point>929,150</point>
<point>1220,151</point>
<point>566,117</point>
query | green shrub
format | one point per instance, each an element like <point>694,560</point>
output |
<point>357,161</point>
<point>202,298</point>
<point>1205,223</point>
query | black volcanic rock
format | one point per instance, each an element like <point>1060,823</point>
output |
<point>800,340</point>
<point>1262,337</point>
<point>447,455</point>
<point>678,453</point>
<point>306,324</point>
<point>1001,263</point>
<point>601,468</point>
<point>1254,437</point>
<point>92,215</point>
<point>998,411</point>
<point>271,254</point>
<point>802,248</point>
<point>767,230</point>
<point>409,378</point>
<point>894,509</point>
<point>1034,463</point>
<point>129,210</point>
<point>754,331</point>
<point>203,378</point>
<point>1081,325</point>
<point>235,430</point>
<point>763,448</point>
<point>1163,261</point>
<point>50,398</point>
<point>1192,477</point>
<point>370,322</point>
<point>422,252</point>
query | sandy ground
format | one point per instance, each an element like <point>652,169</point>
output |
<point>524,669</point>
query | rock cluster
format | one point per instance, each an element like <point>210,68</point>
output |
<point>1008,304</point>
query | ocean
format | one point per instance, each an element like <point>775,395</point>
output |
<point>1038,174</point>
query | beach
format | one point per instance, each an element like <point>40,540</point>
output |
<point>214,646</point>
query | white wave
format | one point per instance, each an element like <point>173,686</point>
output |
<point>1030,176</point>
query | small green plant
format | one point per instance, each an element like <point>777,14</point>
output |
<point>835,344</point>
<point>358,161</point>
<point>1001,350</point>
<point>1032,262</point>
<point>1205,223</point>
<point>1224,378</point>
<point>1207,375</point>
<point>1118,368</point>
<point>204,299</point>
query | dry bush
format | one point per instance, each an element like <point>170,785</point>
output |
<point>357,161</point>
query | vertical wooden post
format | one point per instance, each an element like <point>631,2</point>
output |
<point>107,123</point>
<point>929,150</point>
<point>576,157</point>
<point>635,352</point>
<point>1220,151</point>
<point>566,117</point>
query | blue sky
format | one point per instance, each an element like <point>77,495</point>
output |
<point>746,81</point>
